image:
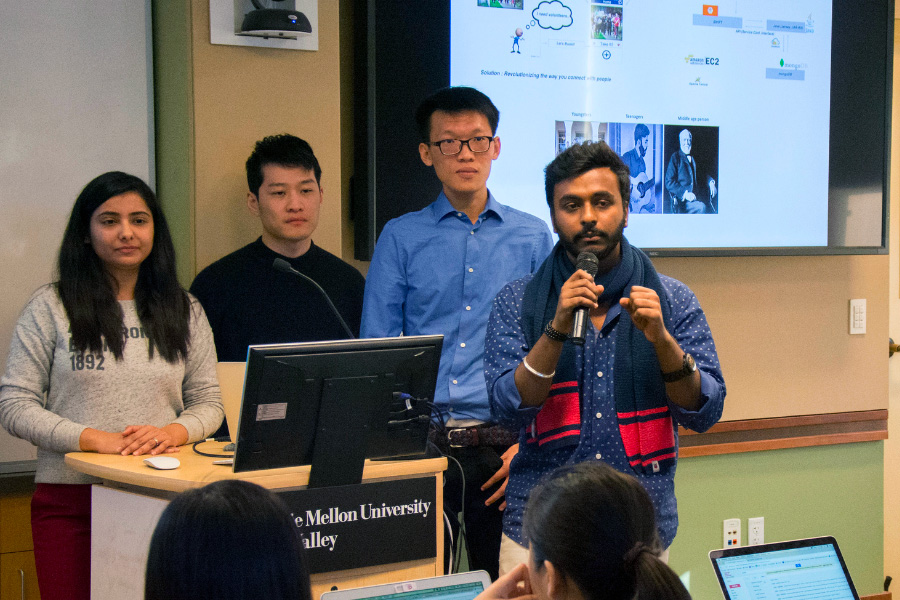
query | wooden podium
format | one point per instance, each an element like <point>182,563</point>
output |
<point>128,504</point>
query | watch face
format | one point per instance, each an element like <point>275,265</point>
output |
<point>689,363</point>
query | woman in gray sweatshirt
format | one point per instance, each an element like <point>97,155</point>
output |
<point>114,357</point>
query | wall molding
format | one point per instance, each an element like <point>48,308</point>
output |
<point>753,435</point>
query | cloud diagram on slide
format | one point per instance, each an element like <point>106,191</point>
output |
<point>552,15</point>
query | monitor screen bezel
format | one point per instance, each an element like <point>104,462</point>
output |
<point>257,359</point>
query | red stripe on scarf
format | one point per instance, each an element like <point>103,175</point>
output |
<point>650,461</point>
<point>562,409</point>
<point>562,384</point>
<point>648,437</point>
<point>558,411</point>
<point>643,413</point>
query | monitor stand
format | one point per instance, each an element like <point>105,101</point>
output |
<point>339,450</point>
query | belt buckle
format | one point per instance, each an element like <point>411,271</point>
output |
<point>450,435</point>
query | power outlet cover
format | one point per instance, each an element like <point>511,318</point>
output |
<point>731,533</point>
<point>756,531</point>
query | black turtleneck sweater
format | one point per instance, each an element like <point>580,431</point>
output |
<point>248,302</point>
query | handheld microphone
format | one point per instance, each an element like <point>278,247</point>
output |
<point>285,267</point>
<point>588,263</point>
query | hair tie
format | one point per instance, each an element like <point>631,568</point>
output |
<point>632,555</point>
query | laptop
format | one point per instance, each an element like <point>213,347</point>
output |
<point>459,586</point>
<point>810,568</point>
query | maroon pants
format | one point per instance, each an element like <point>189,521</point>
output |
<point>61,528</point>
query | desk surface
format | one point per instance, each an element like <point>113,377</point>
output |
<point>197,470</point>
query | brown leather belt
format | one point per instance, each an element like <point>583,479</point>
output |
<point>480,435</point>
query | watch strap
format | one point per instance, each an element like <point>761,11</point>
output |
<point>688,366</point>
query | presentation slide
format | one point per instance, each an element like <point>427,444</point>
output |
<point>721,111</point>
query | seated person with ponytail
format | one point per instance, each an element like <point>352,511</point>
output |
<point>592,536</point>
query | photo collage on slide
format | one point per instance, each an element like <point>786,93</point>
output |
<point>674,169</point>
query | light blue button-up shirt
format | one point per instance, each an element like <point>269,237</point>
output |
<point>435,272</point>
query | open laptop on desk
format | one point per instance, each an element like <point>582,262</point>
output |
<point>794,570</point>
<point>460,586</point>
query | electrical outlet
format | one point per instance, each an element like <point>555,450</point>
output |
<point>731,533</point>
<point>755,531</point>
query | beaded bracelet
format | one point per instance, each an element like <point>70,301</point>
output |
<point>554,334</point>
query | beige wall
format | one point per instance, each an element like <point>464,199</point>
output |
<point>241,94</point>
<point>781,329</point>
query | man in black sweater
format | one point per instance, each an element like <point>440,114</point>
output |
<point>248,301</point>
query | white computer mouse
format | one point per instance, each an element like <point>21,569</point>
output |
<point>163,462</point>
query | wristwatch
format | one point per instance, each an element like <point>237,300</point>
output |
<point>688,366</point>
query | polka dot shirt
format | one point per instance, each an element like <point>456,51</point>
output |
<point>505,346</point>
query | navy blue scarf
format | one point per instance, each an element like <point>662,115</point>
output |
<point>641,404</point>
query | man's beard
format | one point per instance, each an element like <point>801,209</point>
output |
<point>611,241</point>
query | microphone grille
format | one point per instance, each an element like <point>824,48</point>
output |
<point>587,262</point>
<point>282,265</point>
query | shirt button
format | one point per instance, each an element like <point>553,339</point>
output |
<point>471,270</point>
<point>468,308</point>
<point>472,232</point>
<point>454,382</point>
<point>599,415</point>
<point>599,456</point>
<point>462,345</point>
<point>458,214</point>
<point>599,373</point>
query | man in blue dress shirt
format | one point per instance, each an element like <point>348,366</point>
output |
<point>646,364</point>
<point>436,271</point>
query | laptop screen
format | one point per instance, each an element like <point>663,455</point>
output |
<point>460,586</point>
<point>463,591</point>
<point>803,569</point>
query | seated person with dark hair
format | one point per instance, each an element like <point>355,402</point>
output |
<point>592,533</point>
<point>228,540</point>
<point>246,300</point>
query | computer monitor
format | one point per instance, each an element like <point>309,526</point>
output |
<point>334,404</point>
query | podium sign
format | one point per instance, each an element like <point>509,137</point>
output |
<point>364,525</point>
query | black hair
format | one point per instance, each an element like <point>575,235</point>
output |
<point>597,527</point>
<point>577,160</point>
<point>641,131</point>
<point>88,292</point>
<point>284,150</point>
<point>228,540</point>
<point>455,100</point>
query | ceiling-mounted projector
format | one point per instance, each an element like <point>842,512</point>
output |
<point>274,23</point>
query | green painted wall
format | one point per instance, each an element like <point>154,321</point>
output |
<point>173,100</point>
<point>804,492</point>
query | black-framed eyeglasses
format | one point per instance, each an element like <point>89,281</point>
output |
<point>477,144</point>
